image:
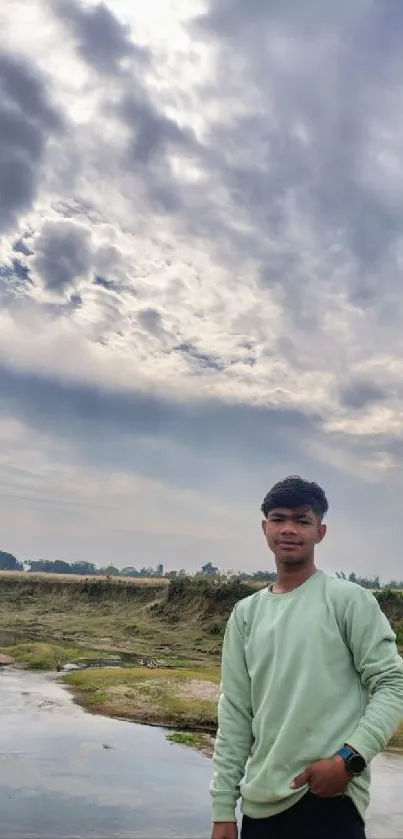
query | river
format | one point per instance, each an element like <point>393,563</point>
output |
<point>65,773</point>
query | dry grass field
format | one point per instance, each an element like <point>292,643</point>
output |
<point>74,578</point>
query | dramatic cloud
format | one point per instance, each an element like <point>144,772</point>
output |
<point>102,40</point>
<point>358,394</point>
<point>151,320</point>
<point>27,121</point>
<point>62,254</point>
<point>200,269</point>
<point>311,150</point>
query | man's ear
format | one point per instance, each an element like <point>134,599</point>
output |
<point>322,530</point>
<point>264,524</point>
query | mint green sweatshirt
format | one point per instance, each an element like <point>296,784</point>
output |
<point>302,674</point>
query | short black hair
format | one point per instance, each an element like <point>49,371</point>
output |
<point>294,492</point>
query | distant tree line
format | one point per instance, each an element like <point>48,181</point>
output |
<point>8,562</point>
<point>366,582</point>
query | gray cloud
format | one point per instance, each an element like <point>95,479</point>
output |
<point>17,271</point>
<point>151,320</point>
<point>24,90</point>
<point>27,120</point>
<point>153,138</point>
<point>231,452</point>
<point>361,394</point>
<point>325,86</point>
<point>20,246</point>
<point>62,254</point>
<point>102,40</point>
<point>154,133</point>
<point>323,73</point>
<point>104,282</point>
<point>200,360</point>
<point>228,18</point>
<point>71,410</point>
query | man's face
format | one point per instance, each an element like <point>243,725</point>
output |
<point>293,534</point>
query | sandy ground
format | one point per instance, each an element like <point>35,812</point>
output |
<point>199,689</point>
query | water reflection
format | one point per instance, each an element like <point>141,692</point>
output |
<point>58,780</point>
<point>385,815</point>
<point>65,773</point>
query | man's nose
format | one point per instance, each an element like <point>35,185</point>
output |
<point>288,527</point>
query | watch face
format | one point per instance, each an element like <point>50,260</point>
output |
<point>356,764</point>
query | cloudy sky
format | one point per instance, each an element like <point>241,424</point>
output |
<point>201,253</point>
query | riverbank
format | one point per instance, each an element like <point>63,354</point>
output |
<point>180,698</point>
<point>177,697</point>
<point>183,620</point>
<point>147,652</point>
<point>183,700</point>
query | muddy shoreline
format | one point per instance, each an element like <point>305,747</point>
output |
<point>178,699</point>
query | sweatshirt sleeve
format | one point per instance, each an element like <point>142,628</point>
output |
<point>234,735</point>
<point>373,646</point>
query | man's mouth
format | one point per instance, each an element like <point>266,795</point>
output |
<point>289,545</point>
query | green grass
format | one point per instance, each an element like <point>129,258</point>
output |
<point>41,656</point>
<point>195,740</point>
<point>174,662</point>
<point>184,738</point>
<point>161,697</point>
<point>398,627</point>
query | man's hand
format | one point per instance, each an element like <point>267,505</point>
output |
<point>225,830</point>
<point>324,777</point>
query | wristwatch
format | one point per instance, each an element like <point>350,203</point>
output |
<point>355,763</point>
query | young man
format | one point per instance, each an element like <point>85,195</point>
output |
<point>311,690</point>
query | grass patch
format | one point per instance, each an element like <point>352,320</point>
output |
<point>184,699</point>
<point>183,738</point>
<point>195,740</point>
<point>175,662</point>
<point>40,656</point>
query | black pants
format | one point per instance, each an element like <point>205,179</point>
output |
<point>312,817</point>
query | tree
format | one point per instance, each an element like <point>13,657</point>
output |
<point>50,567</point>
<point>110,571</point>
<point>365,582</point>
<point>159,570</point>
<point>146,572</point>
<point>264,576</point>
<point>209,569</point>
<point>84,568</point>
<point>8,562</point>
